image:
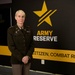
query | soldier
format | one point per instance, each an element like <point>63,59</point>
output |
<point>20,43</point>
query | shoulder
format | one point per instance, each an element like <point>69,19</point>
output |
<point>11,29</point>
<point>29,30</point>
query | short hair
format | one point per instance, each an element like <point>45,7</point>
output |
<point>20,11</point>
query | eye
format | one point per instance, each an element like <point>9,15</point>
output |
<point>19,16</point>
<point>22,16</point>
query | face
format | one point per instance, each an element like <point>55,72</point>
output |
<point>20,18</point>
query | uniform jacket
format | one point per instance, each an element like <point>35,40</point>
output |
<point>20,43</point>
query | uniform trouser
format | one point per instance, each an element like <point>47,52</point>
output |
<point>20,69</point>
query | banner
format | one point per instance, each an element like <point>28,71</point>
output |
<point>53,23</point>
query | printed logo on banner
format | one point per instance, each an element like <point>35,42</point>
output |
<point>44,16</point>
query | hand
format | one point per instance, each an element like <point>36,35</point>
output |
<point>25,59</point>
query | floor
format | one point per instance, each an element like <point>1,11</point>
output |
<point>6,70</point>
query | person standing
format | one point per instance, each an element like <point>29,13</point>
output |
<point>20,43</point>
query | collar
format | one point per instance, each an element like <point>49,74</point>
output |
<point>18,29</point>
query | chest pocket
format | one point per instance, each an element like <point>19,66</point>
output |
<point>28,34</point>
<point>18,37</point>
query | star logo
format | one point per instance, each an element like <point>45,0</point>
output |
<point>44,15</point>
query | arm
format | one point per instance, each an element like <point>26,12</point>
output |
<point>11,45</point>
<point>31,50</point>
<point>31,47</point>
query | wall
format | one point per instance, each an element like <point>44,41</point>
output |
<point>5,1</point>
